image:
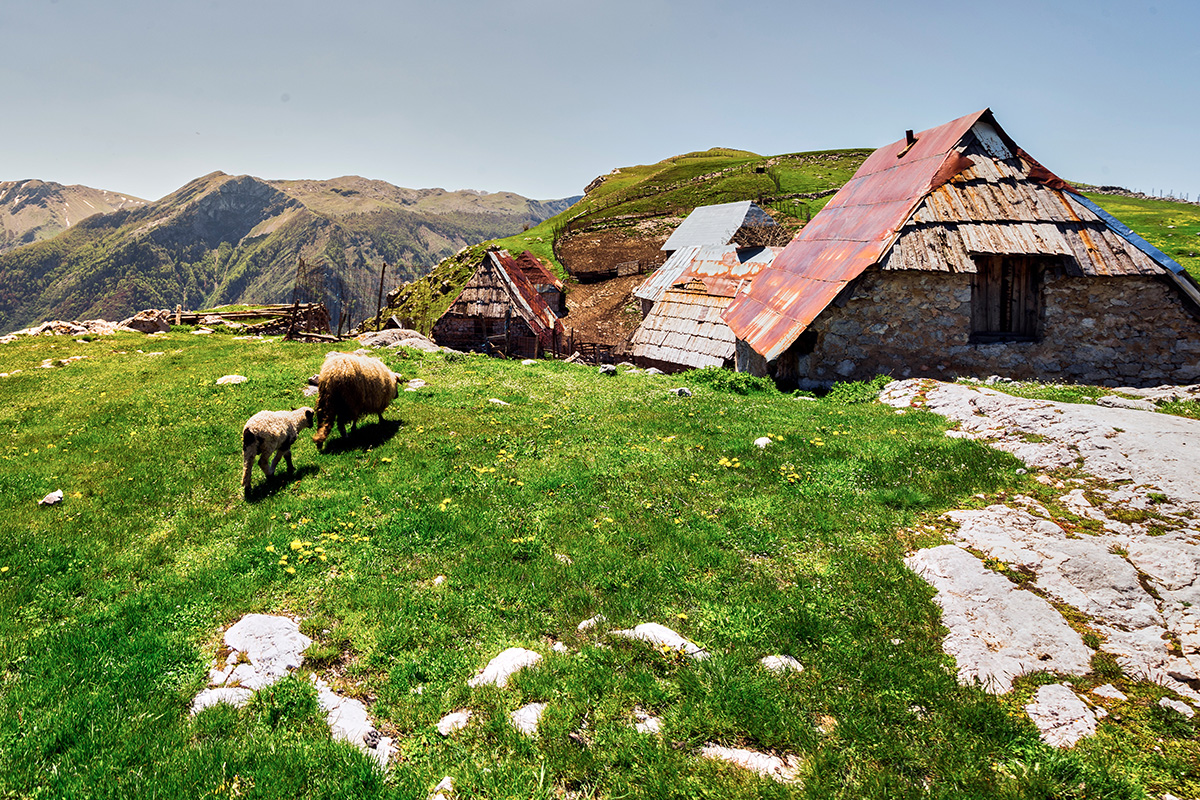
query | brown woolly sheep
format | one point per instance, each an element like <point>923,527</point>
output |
<point>270,432</point>
<point>349,387</point>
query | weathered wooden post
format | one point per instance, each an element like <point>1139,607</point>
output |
<point>379,302</point>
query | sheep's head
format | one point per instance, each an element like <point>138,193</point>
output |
<point>309,416</point>
<point>396,388</point>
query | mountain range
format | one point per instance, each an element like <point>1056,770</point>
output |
<point>224,239</point>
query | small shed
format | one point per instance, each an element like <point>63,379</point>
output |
<point>952,252</point>
<point>500,312</point>
<point>684,329</point>
<point>717,224</point>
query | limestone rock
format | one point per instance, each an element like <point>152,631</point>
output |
<point>664,638</point>
<point>607,369</point>
<point>1060,715</point>
<point>588,624</point>
<point>682,391</point>
<point>1181,707</point>
<point>348,721</point>
<point>148,321</point>
<point>454,721</point>
<point>273,645</point>
<point>765,764</point>
<point>644,722</point>
<point>996,631</point>
<point>54,497</point>
<point>1109,691</point>
<point>1115,401</point>
<point>233,695</point>
<point>444,790</point>
<point>762,442</point>
<point>526,718</point>
<point>781,664</point>
<point>528,362</point>
<point>497,401</point>
<point>503,666</point>
<point>225,380</point>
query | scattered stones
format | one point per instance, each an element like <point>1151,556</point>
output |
<point>414,384</point>
<point>54,497</point>
<point>148,321</point>
<point>225,380</point>
<point>781,664</point>
<point>996,631</point>
<point>439,580</point>
<point>528,362</point>
<point>526,718</point>
<point>764,764</point>
<point>559,647</point>
<point>264,649</point>
<point>202,331</point>
<point>498,401</point>
<point>503,666</point>
<point>682,391</point>
<point>1177,705</point>
<point>1060,715</point>
<point>588,624</point>
<point>762,442</point>
<point>663,638</point>
<point>607,369</point>
<point>563,558</point>
<point>1109,691</point>
<point>654,371</point>
<point>454,721</point>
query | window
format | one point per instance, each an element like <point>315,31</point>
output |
<point>1006,299</point>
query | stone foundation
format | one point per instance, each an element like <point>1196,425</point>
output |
<point>1114,331</point>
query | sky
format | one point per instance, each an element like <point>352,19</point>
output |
<point>538,97</point>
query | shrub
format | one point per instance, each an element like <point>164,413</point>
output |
<point>846,394</point>
<point>723,380</point>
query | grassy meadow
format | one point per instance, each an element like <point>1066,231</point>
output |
<point>584,495</point>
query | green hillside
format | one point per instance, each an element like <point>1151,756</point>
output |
<point>667,189</point>
<point>584,495</point>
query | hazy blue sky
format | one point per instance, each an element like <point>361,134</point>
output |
<point>540,96</point>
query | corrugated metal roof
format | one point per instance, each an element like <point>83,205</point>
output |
<point>961,188</point>
<point>665,276</point>
<point>711,225</point>
<point>723,268</point>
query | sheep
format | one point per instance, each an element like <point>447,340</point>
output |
<point>349,387</point>
<point>270,432</point>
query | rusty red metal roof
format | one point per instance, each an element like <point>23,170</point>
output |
<point>850,234</point>
<point>535,270</point>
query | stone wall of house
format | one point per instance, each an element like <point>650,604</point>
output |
<point>1116,331</point>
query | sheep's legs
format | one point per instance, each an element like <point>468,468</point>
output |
<point>267,467</point>
<point>285,454</point>
<point>248,472</point>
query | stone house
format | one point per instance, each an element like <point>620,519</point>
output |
<point>953,253</point>
<point>500,311</point>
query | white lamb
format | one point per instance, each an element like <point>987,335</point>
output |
<point>270,432</point>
